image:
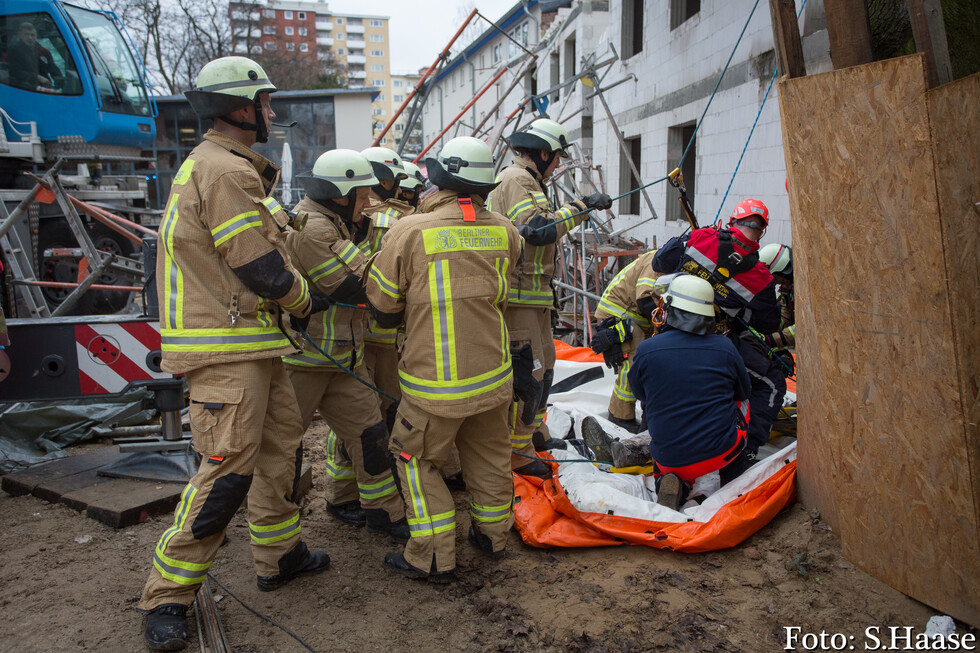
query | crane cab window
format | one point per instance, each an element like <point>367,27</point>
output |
<point>34,56</point>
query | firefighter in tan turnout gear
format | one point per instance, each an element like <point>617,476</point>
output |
<point>225,283</point>
<point>443,273</point>
<point>324,251</point>
<point>521,197</point>
<point>624,316</point>
<point>385,210</point>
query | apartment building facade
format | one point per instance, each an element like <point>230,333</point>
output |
<point>668,59</point>
<point>358,44</point>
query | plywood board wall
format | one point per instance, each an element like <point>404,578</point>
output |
<point>883,450</point>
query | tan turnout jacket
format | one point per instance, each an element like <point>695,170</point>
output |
<point>383,216</point>
<point>220,216</point>
<point>633,282</point>
<point>325,254</point>
<point>450,277</point>
<point>521,196</point>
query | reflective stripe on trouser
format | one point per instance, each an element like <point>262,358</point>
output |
<point>381,367</point>
<point>622,403</point>
<point>529,324</point>
<point>341,486</point>
<point>421,442</point>
<point>256,438</point>
<point>349,408</point>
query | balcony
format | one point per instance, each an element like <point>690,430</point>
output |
<point>240,15</point>
<point>355,44</point>
<point>241,33</point>
<point>324,40</point>
<point>324,25</point>
<point>357,74</point>
<point>355,29</point>
<point>356,58</point>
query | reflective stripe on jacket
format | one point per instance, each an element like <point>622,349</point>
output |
<point>519,197</point>
<point>383,217</point>
<point>220,216</point>
<point>450,277</point>
<point>324,253</point>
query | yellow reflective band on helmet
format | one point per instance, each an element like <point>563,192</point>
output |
<point>464,239</point>
<point>326,268</point>
<point>184,174</point>
<point>386,286</point>
<point>265,535</point>
<point>520,206</point>
<point>490,514</point>
<point>457,388</point>
<point>441,523</point>
<point>368,491</point>
<point>227,230</point>
<point>272,204</point>
<point>245,339</point>
<point>414,485</point>
<point>304,296</point>
<point>443,323</point>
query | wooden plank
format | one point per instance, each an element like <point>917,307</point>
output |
<point>881,405</point>
<point>849,32</point>
<point>122,502</point>
<point>955,118</point>
<point>27,481</point>
<point>929,31</point>
<point>786,34</point>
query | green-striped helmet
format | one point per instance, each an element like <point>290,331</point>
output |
<point>542,134</point>
<point>336,173</point>
<point>464,165</point>
<point>226,85</point>
<point>386,163</point>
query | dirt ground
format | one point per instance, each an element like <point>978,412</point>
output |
<point>62,595</point>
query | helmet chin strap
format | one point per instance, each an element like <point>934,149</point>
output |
<point>540,162</point>
<point>383,193</point>
<point>259,127</point>
<point>344,211</point>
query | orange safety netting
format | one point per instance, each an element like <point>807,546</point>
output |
<point>545,516</point>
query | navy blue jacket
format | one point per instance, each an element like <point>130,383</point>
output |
<point>688,386</point>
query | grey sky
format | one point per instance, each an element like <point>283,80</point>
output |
<point>419,29</point>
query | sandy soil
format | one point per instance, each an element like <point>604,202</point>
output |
<point>61,595</point>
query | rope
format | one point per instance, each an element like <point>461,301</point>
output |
<point>554,460</point>
<point>260,615</point>
<point>752,131</point>
<point>343,367</point>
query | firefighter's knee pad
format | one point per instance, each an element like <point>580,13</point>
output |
<point>224,499</point>
<point>374,447</point>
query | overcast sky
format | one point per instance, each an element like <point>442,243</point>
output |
<point>420,29</point>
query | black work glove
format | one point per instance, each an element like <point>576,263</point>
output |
<point>539,231</point>
<point>787,358</point>
<point>526,387</point>
<point>609,339</point>
<point>318,302</point>
<point>599,201</point>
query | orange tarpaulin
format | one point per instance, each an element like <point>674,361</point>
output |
<point>545,516</point>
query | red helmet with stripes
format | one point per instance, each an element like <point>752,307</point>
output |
<point>748,209</point>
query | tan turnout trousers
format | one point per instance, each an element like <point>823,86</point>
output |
<point>530,324</point>
<point>247,428</point>
<point>622,403</point>
<point>351,410</point>
<point>421,443</point>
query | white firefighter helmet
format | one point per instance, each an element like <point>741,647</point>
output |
<point>336,173</point>
<point>415,179</point>
<point>778,258</point>
<point>542,134</point>
<point>386,163</point>
<point>691,294</point>
<point>465,165</point>
<point>227,84</point>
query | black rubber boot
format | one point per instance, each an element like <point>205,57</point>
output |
<point>397,562</point>
<point>349,512</point>
<point>540,444</point>
<point>166,627</point>
<point>670,491</point>
<point>483,543</point>
<point>378,521</point>
<point>300,561</point>
<point>597,440</point>
<point>535,468</point>
<point>628,424</point>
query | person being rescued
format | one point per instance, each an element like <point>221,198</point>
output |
<point>693,386</point>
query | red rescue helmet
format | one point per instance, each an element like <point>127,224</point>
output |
<point>750,208</point>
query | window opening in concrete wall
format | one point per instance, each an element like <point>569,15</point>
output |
<point>569,63</point>
<point>555,74</point>
<point>632,28</point>
<point>681,10</point>
<point>677,139</point>
<point>627,181</point>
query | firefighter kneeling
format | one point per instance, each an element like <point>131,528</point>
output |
<point>443,273</point>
